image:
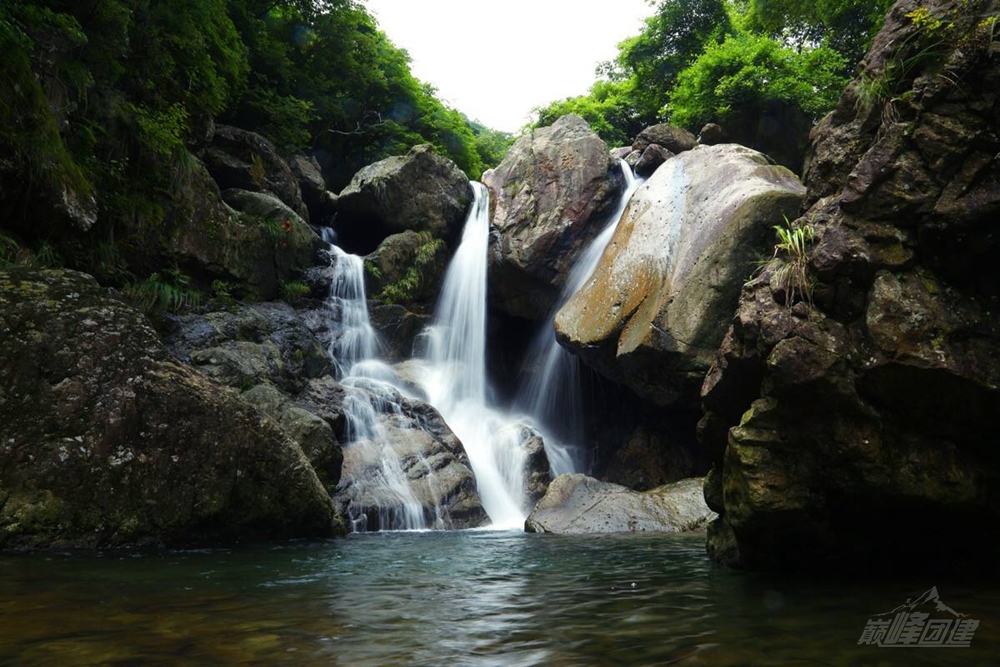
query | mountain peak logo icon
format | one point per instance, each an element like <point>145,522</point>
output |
<point>922,622</point>
<point>929,602</point>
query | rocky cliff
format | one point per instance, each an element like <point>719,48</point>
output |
<point>855,426</point>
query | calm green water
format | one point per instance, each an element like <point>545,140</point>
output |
<point>467,598</point>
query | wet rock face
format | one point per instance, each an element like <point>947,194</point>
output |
<point>861,426</point>
<point>577,504</point>
<point>247,161</point>
<point>657,307</point>
<point>551,196</point>
<point>106,441</point>
<point>420,191</point>
<point>433,462</point>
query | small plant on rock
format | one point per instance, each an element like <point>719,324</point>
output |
<point>793,274</point>
<point>293,291</point>
<point>168,290</point>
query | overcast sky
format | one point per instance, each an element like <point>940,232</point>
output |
<point>495,60</point>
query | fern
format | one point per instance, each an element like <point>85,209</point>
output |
<point>167,291</point>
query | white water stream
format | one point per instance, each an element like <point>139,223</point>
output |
<point>551,395</point>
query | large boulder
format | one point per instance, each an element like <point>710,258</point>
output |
<point>420,191</point>
<point>577,504</point>
<point>674,139</point>
<point>551,195</point>
<point>658,305</point>
<point>238,159</point>
<point>212,241</point>
<point>106,441</point>
<point>401,456</point>
<point>860,427</point>
<point>312,433</point>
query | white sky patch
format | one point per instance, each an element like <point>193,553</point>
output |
<point>497,60</point>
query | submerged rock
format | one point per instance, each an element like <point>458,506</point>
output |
<point>657,307</point>
<point>580,504</point>
<point>106,441</point>
<point>860,428</point>
<point>420,191</point>
<point>551,195</point>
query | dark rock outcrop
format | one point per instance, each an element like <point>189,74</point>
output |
<point>552,194</point>
<point>398,330</point>
<point>106,441</point>
<point>254,343</point>
<point>313,434</point>
<point>579,504</point>
<point>321,203</point>
<point>651,159</point>
<point>210,240</point>
<point>711,135</point>
<point>242,160</point>
<point>861,427</point>
<point>674,139</point>
<point>651,456</point>
<point>407,269</point>
<point>420,191</point>
<point>659,302</point>
<point>262,206</point>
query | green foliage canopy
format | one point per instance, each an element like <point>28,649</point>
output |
<point>765,70</point>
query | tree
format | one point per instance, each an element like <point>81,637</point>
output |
<point>765,94</point>
<point>847,26</point>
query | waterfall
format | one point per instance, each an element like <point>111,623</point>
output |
<point>455,379</point>
<point>353,348</point>
<point>552,394</point>
<point>354,338</point>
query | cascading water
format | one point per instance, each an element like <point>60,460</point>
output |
<point>368,394</point>
<point>455,378</point>
<point>354,338</point>
<point>552,395</point>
